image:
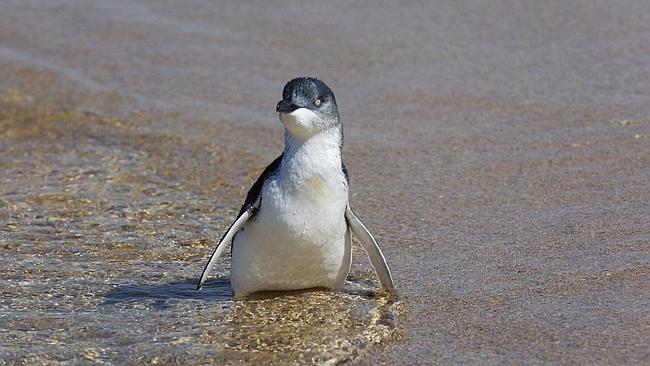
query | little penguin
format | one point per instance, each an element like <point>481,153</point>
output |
<point>294,230</point>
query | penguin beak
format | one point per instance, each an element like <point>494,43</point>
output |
<point>285,106</point>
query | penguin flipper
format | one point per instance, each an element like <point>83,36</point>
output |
<point>347,262</point>
<point>248,210</point>
<point>227,238</point>
<point>371,247</point>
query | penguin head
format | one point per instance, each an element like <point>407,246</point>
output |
<point>307,107</point>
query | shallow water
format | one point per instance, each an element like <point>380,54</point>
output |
<point>104,238</point>
<point>499,151</point>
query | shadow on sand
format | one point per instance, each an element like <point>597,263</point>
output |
<point>215,290</point>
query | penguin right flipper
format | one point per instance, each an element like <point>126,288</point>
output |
<point>227,238</point>
<point>369,243</point>
<point>248,210</point>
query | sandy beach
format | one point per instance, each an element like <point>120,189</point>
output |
<point>499,151</point>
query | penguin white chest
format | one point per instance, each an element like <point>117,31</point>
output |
<point>297,239</point>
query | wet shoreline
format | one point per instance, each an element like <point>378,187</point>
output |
<point>103,248</point>
<point>499,152</point>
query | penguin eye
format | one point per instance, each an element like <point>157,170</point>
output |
<point>318,102</point>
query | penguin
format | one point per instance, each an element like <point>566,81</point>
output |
<point>294,230</point>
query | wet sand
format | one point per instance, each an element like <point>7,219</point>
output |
<point>499,151</point>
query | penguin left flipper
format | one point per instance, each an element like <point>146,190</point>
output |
<point>227,238</point>
<point>371,247</point>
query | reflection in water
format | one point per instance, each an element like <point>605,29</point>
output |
<point>308,326</point>
<point>286,327</point>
